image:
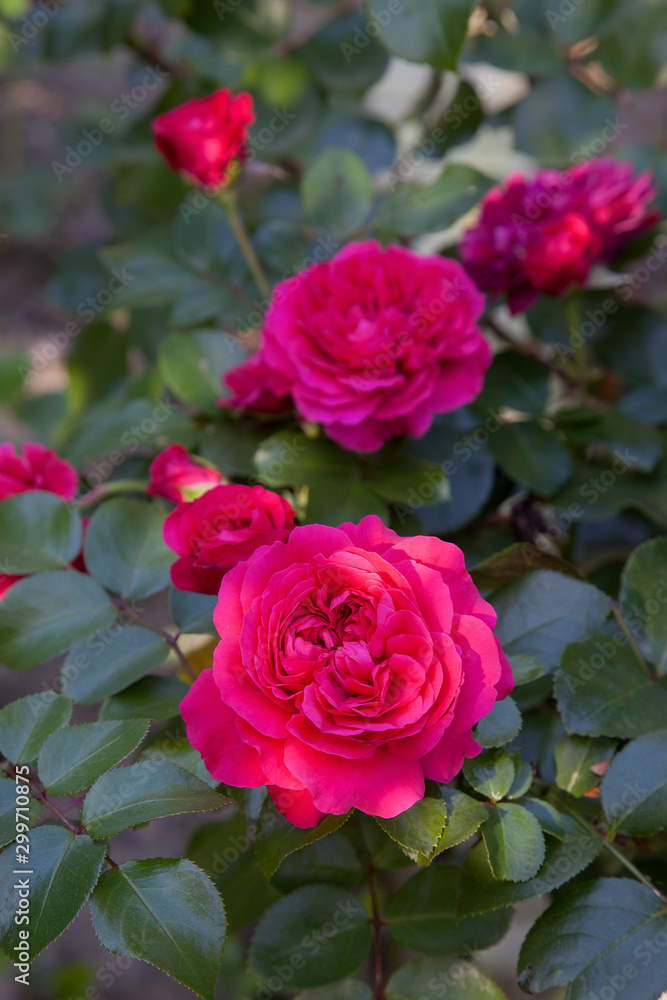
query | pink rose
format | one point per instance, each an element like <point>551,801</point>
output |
<point>371,344</point>
<point>352,665</point>
<point>544,234</point>
<point>176,476</point>
<point>206,137</point>
<point>221,528</point>
<point>38,468</point>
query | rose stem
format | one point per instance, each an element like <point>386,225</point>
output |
<point>228,201</point>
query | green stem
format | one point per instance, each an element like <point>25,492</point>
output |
<point>109,489</point>
<point>171,640</point>
<point>227,199</point>
<point>611,847</point>
<point>573,320</point>
<point>616,611</point>
<point>635,871</point>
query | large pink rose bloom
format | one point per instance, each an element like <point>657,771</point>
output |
<point>370,344</point>
<point>352,665</point>
<point>544,234</point>
<point>38,468</point>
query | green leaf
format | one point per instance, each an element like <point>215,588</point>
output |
<point>513,380</point>
<point>603,690</point>
<point>634,788</point>
<point>540,614</point>
<point>384,852</point>
<point>192,612</point>
<point>418,829</point>
<point>38,531</point>
<point>335,501</point>
<point>149,698</point>
<point>406,480</point>
<point>422,916</point>
<point>436,977</point>
<point>531,456</point>
<point>564,858</point>
<point>65,867</point>
<point>515,561</point>
<point>26,724</point>
<point>547,816</point>
<point>643,598</point>
<point>464,816</point>
<point>525,669</point>
<point>192,365</point>
<point>632,42</point>
<point>410,211</point>
<point>598,933</point>
<point>337,59</point>
<point>276,837</point>
<point>44,614</point>
<point>337,192</point>
<point>321,933</point>
<point>514,843</point>
<point>330,861</point>
<point>72,758</point>
<point>289,458</point>
<point>491,774</point>
<point>110,661</point>
<point>9,817</point>
<point>575,755</point>
<point>165,911</point>
<point>430,31</point>
<point>348,989</point>
<point>125,550</point>
<point>523,777</point>
<point>224,851</point>
<point>148,790</point>
<point>500,726</point>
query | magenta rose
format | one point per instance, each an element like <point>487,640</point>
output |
<point>38,468</point>
<point>371,344</point>
<point>221,528</point>
<point>544,234</point>
<point>206,137</point>
<point>352,665</point>
<point>176,476</point>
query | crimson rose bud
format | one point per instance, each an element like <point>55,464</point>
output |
<point>176,476</point>
<point>220,529</point>
<point>206,137</point>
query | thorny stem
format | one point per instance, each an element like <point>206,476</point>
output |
<point>171,640</point>
<point>228,201</point>
<point>377,942</point>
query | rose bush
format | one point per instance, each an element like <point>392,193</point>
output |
<point>341,517</point>
<point>352,664</point>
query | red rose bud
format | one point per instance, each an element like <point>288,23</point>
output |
<point>371,344</point>
<point>220,529</point>
<point>353,664</point>
<point>38,468</point>
<point>206,138</point>
<point>544,234</point>
<point>176,476</point>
